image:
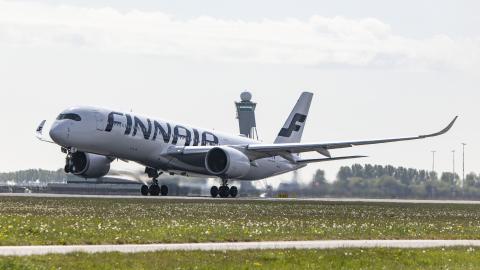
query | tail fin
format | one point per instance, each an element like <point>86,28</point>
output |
<point>293,128</point>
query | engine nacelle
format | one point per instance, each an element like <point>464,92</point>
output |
<point>227,162</point>
<point>89,165</point>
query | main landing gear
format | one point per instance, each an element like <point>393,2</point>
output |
<point>224,191</point>
<point>154,189</point>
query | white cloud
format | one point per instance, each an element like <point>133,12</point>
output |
<point>316,41</point>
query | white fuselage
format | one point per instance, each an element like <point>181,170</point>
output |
<point>150,141</point>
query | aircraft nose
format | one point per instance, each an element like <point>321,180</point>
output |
<point>57,133</point>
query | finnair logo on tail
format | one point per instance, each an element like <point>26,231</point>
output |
<point>295,125</point>
<point>40,127</point>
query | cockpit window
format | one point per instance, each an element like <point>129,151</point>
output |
<point>70,116</point>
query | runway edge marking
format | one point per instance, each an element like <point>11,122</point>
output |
<point>269,245</point>
<point>249,199</point>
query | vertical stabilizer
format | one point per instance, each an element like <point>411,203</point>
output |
<point>292,130</point>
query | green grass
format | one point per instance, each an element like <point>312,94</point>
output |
<point>33,221</point>
<point>458,258</point>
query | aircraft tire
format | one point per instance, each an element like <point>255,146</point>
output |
<point>233,191</point>
<point>214,191</point>
<point>164,190</point>
<point>224,191</point>
<point>67,168</point>
<point>154,190</point>
<point>144,190</point>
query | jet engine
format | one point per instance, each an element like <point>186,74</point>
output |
<point>87,165</point>
<point>227,162</point>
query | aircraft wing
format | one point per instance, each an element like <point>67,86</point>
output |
<point>257,151</point>
<point>323,148</point>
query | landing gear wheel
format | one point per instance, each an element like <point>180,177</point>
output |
<point>214,191</point>
<point>154,190</point>
<point>67,168</point>
<point>144,190</point>
<point>164,190</point>
<point>233,191</point>
<point>224,191</point>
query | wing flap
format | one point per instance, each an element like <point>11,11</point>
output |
<point>307,161</point>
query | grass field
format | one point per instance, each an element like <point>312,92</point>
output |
<point>31,220</point>
<point>459,258</point>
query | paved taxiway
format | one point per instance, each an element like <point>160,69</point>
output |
<point>42,250</point>
<point>45,195</point>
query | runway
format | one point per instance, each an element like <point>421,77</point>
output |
<point>336,244</point>
<point>46,195</point>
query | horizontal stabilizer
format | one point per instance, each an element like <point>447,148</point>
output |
<point>306,161</point>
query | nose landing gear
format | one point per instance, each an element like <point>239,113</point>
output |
<point>154,189</point>
<point>69,165</point>
<point>224,191</point>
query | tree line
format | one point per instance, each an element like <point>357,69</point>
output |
<point>366,181</point>
<point>377,181</point>
<point>36,176</point>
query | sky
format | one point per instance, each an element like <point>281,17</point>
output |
<point>378,69</point>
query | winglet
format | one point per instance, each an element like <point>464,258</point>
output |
<point>443,131</point>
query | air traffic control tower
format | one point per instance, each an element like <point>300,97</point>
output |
<point>246,116</point>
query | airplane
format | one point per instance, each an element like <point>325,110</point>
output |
<point>93,137</point>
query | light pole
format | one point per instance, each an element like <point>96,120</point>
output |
<point>432,174</point>
<point>454,185</point>
<point>433,160</point>
<point>463,165</point>
<point>453,168</point>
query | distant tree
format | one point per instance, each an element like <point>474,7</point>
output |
<point>344,173</point>
<point>391,187</point>
<point>319,179</point>
<point>432,176</point>
<point>379,171</point>
<point>412,175</point>
<point>369,171</point>
<point>358,171</point>
<point>390,170</point>
<point>471,180</point>
<point>402,174</point>
<point>422,177</point>
<point>359,187</point>
<point>449,178</point>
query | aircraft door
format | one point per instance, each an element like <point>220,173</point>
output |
<point>100,119</point>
